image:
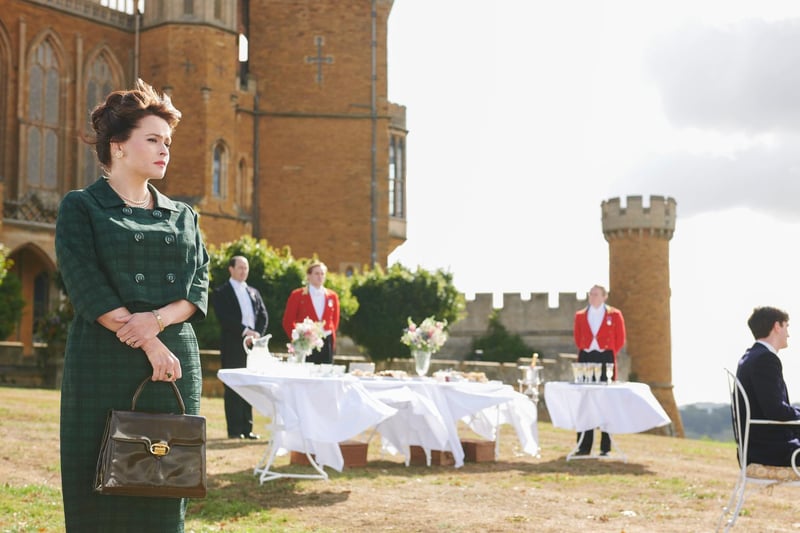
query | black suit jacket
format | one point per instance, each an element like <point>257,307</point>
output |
<point>761,374</point>
<point>229,315</point>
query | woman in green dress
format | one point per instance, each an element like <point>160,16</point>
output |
<point>136,270</point>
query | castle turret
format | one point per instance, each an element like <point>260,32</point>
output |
<point>190,50</point>
<point>638,248</point>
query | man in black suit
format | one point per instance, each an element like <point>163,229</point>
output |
<point>241,313</point>
<point>761,374</point>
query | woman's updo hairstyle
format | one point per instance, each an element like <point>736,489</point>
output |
<point>114,119</point>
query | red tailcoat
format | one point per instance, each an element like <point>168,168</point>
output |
<point>610,336</point>
<point>299,307</point>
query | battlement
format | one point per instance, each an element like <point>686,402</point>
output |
<point>658,218</point>
<point>524,316</point>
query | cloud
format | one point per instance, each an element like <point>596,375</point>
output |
<point>740,84</point>
<point>741,77</point>
<point>764,178</point>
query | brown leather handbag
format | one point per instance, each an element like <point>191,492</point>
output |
<point>160,455</point>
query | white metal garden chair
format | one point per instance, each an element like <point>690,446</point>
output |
<point>762,475</point>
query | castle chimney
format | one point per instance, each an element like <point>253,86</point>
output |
<point>638,251</point>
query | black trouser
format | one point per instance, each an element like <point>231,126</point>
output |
<point>325,354</point>
<point>238,414</point>
<point>588,436</point>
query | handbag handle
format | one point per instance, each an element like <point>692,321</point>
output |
<point>174,389</point>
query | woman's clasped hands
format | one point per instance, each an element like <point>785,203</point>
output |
<point>140,330</point>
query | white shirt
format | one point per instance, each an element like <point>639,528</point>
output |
<point>595,317</point>
<point>318,299</point>
<point>768,346</point>
<point>245,303</point>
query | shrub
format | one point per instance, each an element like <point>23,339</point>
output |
<point>387,299</point>
<point>275,273</point>
<point>500,345</point>
<point>11,300</point>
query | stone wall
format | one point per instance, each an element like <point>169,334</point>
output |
<point>545,328</point>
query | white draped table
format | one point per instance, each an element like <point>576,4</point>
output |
<point>308,414</point>
<point>429,412</point>
<point>615,408</point>
<point>314,414</point>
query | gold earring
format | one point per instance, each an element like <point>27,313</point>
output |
<point>119,154</point>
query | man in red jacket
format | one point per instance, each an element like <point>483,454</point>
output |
<point>599,333</point>
<point>317,303</point>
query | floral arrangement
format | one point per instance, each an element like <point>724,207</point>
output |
<point>307,336</point>
<point>429,336</point>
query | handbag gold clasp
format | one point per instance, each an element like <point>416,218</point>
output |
<point>159,449</point>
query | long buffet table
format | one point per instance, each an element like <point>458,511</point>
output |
<point>314,414</point>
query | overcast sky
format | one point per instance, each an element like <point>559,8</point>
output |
<point>525,115</point>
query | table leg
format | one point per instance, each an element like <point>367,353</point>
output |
<point>616,455</point>
<point>497,435</point>
<point>264,472</point>
<point>574,453</point>
<point>617,452</point>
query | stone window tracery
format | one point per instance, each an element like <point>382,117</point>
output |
<point>397,188</point>
<point>43,120</point>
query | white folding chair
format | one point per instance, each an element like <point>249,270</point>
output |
<point>753,473</point>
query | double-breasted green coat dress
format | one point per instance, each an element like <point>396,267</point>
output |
<point>112,255</point>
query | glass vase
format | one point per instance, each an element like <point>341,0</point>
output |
<point>422,361</point>
<point>297,357</point>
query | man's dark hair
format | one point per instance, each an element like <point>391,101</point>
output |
<point>763,319</point>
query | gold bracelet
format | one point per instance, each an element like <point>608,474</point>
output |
<point>158,318</point>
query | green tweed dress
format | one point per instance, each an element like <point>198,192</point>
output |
<point>112,255</point>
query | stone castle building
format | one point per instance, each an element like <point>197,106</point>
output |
<point>287,133</point>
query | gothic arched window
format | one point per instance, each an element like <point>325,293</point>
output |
<point>218,172</point>
<point>43,119</point>
<point>99,82</point>
<point>397,187</point>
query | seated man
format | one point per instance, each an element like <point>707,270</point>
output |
<point>761,374</point>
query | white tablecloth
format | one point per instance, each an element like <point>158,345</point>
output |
<point>318,413</point>
<point>429,411</point>
<point>615,408</point>
<point>315,413</point>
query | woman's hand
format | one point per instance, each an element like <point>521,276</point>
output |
<point>137,329</point>
<point>166,367</point>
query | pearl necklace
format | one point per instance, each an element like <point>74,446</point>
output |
<point>141,204</point>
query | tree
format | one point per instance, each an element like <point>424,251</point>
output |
<point>11,300</point>
<point>275,273</point>
<point>387,299</point>
<point>500,345</point>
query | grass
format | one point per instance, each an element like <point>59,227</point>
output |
<point>666,485</point>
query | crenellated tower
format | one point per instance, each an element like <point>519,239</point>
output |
<point>638,249</point>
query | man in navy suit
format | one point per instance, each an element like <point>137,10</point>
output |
<point>761,374</point>
<point>241,313</point>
